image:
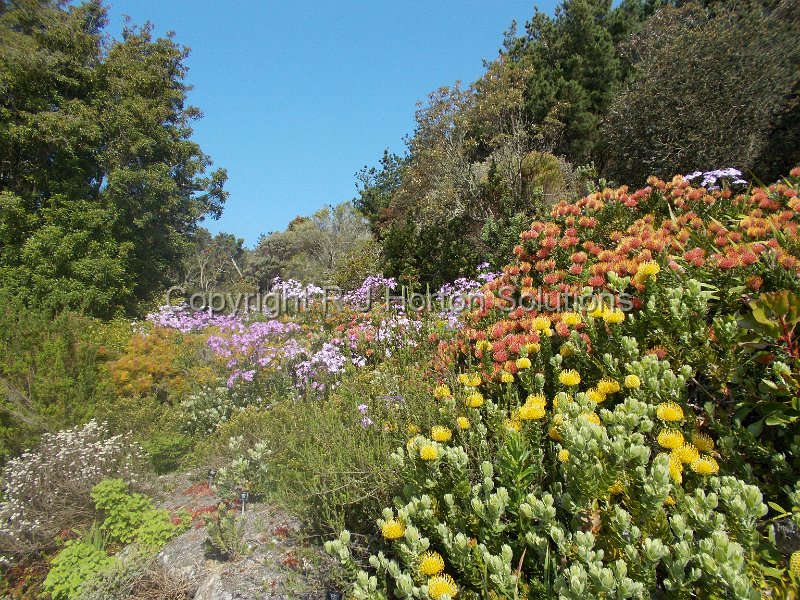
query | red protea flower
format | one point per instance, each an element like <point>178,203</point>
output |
<point>500,356</point>
<point>597,281</point>
<point>726,262</point>
<point>659,351</point>
<point>576,269</point>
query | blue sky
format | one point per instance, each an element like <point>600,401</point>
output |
<point>298,96</point>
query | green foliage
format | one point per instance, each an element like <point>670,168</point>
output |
<point>225,534</point>
<point>167,451</point>
<point>677,114</point>
<point>102,183</point>
<point>132,517</point>
<point>77,562</point>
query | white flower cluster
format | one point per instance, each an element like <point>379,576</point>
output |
<point>48,489</point>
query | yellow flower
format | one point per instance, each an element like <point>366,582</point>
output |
<point>553,433</point>
<point>613,316</point>
<point>675,468</point>
<point>596,395</point>
<point>669,501</point>
<point>475,380</point>
<point>475,400</point>
<point>412,429</point>
<point>616,488</point>
<point>591,417</point>
<point>702,441</point>
<point>670,438</point>
<point>463,422</point>
<point>794,563</point>
<point>571,319</point>
<point>669,411</point>
<point>608,386</point>
<point>558,419</point>
<point>599,310</point>
<point>567,350</point>
<point>647,270</point>
<point>512,424</point>
<point>570,377</point>
<point>393,529</point>
<point>440,585</point>
<point>705,465</point>
<point>506,377</point>
<point>541,323</point>
<point>431,563</point>
<point>463,379</point>
<point>537,399</point>
<point>632,382</point>
<point>563,455</point>
<point>687,454</point>
<point>441,434</point>
<point>428,452</point>
<point>533,348</point>
<point>531,412</point>
<point>441,392</point>
<point>484,346</point>
<point>524,363</point>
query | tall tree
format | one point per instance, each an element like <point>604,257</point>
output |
<point>100,182</point>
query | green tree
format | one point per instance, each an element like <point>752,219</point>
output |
<point>100,182</point>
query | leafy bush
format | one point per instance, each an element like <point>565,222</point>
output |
<point>50,487</point>
<point>204,410</point>
<point>167,451</point>
<point>225,534</point>
<point>248,471</point>
<point>132,517</point>
<point>77,562</point>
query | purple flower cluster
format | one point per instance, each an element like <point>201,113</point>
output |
<point>249,347</point>
<point>187,321</point>
<point>292,289</point>
<point>710,178</point>
<point>317,372</point>
<point>371,289</point>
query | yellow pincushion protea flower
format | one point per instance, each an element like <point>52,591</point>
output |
<point>484,346</point>
<point>441,392</point>
<point>613,316</point>
<point>592,417</point>
<point>463,379</point>
<point>632,382</point>
<point>431,563</point>
<point>523,363</point>
<point>441,434</point>
<point>670,438</point>
<point>608,386</point>
<point>675,468</point>
<point>669,501</point>
<point>669,411</point>
<point>531,412</point>
<point>571,319</point>
<point>440,585</point>
<point>412,429</point>
<point>462,422</point>
<point>474,400</point>
<point>596,396</point>
<point>475,380</point>
<point>537,399</point>
<point>794,564</point>
<point>687,454</point>
<point>506,377</point>
<point>428,452</point>
<point>541,323</point>
<point>533,348</point>
<point>702,441</point>
<point>705,465</point>
<point>570,377</point>
<point>512,424</point>
<point>554,434</point>
<point>647,270</point>
<point>563,455</point>
<point>567,350</point>
<point>393,529</point>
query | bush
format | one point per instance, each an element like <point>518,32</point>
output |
<point>225,534</point>
<point>49,488</point>
<point>77,562</point>
<point>132,517</point>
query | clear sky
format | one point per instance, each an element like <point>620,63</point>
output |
<point>297,96</point>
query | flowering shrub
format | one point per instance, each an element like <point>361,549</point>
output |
<point>590,448</point>
<point>49,487</point>
<point>206,409</point>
